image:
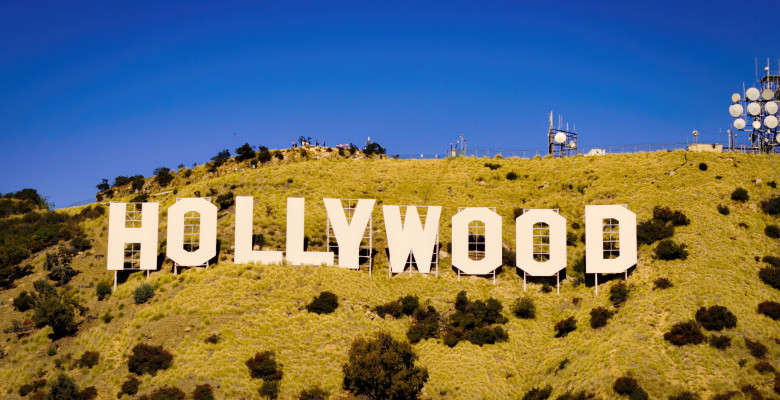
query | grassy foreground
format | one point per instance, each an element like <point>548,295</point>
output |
<point>255,308</point>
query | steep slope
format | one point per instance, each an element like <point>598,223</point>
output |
<point>254,308</point>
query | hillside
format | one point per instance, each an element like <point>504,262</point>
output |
<point>254,308</point>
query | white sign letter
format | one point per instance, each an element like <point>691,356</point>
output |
<point>460,240</point>
<point>144,232</point>
<point>295,253</point>
<point>610,239</point>
<point>555,246</point>
<point>207,238</point>
<point>243,252</point>
<point>409,236</point>
<point>349,234</point>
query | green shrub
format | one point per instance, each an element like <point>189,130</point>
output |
<point>686,395</point>
<point>666,214</point>
<point>270,389</point>
<point>62,273</point>
<point>769,308</point>
<point>63,388</point>
<point>565,326</point>
<point>148,359</point>
<point>143,293</point>
<point>33,386</point>
<point>770,276</point>
<point>264,366</point>
<point>662,283</point>
<point>511,175</point>
<point>163,176</point>
<point>524,307</point>
<point>581,395</point>
<point>225,200</point>
<point>213,338</point>
<point>165,393</point>
<point>264,156</point>
<point>773,231</point>
<point>716,318</point>
<point>703,166</point>
<point>740,194</point>
<point>651,231</point>
<point>88,393</point>
<point>81,243</point>
<point>492,166</point>
<point>103,289</point>
<point>89,359</point>
<point>618,293</point>
<point>325,303</point>
<point>720,342</point>
<point>723,209</point>
<point>409,304</point>
<point>383,368</point>
<point>756,348</point>
<point>130,386</point>
<point>771,206</point>
<point>683,333</point>
<point>625,385</point>
<point>373,148</point>
<point>669,250</point>
<point>55,310</point>
<point>772,260</point>
<point>107,317</point>
<point>24,301</point>
<point>471,316</point>
<point>140,198</point>
<point>425,325</point>
<point>538,394</point>
<point>203,392</point>
<point>244,152</point>
<point>599,317</point>
<point>313,393</point>
<point>764,367</point>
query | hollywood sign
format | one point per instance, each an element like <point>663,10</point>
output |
<point>405,236</point>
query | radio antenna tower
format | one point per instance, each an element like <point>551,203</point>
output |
<point>755,111</point>
<point>561,142</point>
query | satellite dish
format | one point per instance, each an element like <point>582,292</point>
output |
<point>560,137</point>
<point>770,107</point>
<point>767,94</point>
<point>753,109</point>
<point>756,124</point>
<point>752,94</point>
<point>777,138</point>
<point>735,97</point>
<point>739,123</point>
<point>735,110</point>
<point>572,145</point>
<point>770,122</point>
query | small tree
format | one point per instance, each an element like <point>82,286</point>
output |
<point>102,290</point>
<point>103,186</point>
<point>163,176</point>
<point>143,293</point>
<point>374,148</point>
<point>264,156</point>
<point>245,152</point>
<point>63,388</point>
<point>225,200</point>
<point>383,368</point>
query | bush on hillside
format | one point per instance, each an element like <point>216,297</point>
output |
<point>62,273</point>
<point>740,194</point>
<point>670,250</point>
<point>770,276</point>
<point>325,303</point>
<point>264,156</point>
<point>165,393</point>
<point>511,175</point>
<point>764,367</point>
<point>392,308</point>
<point>618,293</point>
<point>57,310</point>
<point>493,166</point>
<point>225,200</point>
<point>772,260</point>
<point>130,386</point>
<point>143,293</point>
<point>33,386</point>
<point>628,386</point>
<point>270,389</point>
<point>473,320</point>
<point>103,289</point>
<point>524,308</point>
<point>773,231</point>
<point>147,359</point>
<point>245,152</point>
<point>538,393</point>
<point>140,198</point>
<point>724,210</point>
<point>651,231</point>
<point>81,243</point>
<point>599,317</point>
<point>89,359</point>
<point>581,395</point>
<point>565,326</point>
<point>383,368</point>
<point>683,333</point>
<point>716,318</point>
<point>771,206</point>
<point>64,388</point>
<point>313,393</point>
<point>425,324</point>
<point>163,176</point>
<point>666,214</point>
<point>24,301</point>
<point>409,304</point>
<point>373,148</point>
<point>720,342</point>
<point>686,395</point>
<point>756,348</point>
<point>263,366</point>
<point>703,166</point>
<point>203,392</point>
<point>769,308</point>
<point>662,283</point>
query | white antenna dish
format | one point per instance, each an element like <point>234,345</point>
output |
<point>770,122</point>
<point>777,138</point>
<point>753,109</point>
<point>767,94</point>
<point>752,94</point>
<point>756,124</point>
<point>572,145</point>
<point>739,123</point>
<point>770,107</point>
<point>735,110</point>
<point>560,137</point>
<point>735,97</point>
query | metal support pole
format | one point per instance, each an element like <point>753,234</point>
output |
<point>558,284</point>
<point>597,283</point>
<point>524,281</point>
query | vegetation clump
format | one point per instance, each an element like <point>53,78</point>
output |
<point>683,333</point>
<point>666,214</point>
<point>102,290</point>
<point>764,367</point>
<point>33,386</point>
<point>724,210</point>
<point>203,392</point>
<point>670,250</point>
<point>474,321</point>
<point>147,359</point>
<point>130,386</point>
<point>264,366</point>
<point>64,388</point>
<point>740,194</point>
<point>618,293</point>
<point>425,324</point>
<point>769,308</point>
<point>628,386</point>
<point>57,310</point>
<point>163,176</point>
<point>686,395</point>
<point>383,368</point>
<point>89,359</point>
<point>511,175</point>
<point>720,342</point>
<point>662,283</point>
<point>538,393</point>
<point>772,231</point>
<point>143,293</point>
<point>599,317</point>
<point>716,318</point>
<point>771,206</point>
<point>313,393</point>
<point>325,303</point>
<point>703,166</point>
<point>165,393</point>
<point>581,395</point>
<point>565,326</point>
<point>770,275</point>
<point>756,348</point>
<point>404,306</point>
<point>225,200</point>
<point>524,308</point>
<point>493,166</point>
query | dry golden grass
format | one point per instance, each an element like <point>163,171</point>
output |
<point>256,308</point>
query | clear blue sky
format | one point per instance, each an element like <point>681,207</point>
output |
<point>92,90</point>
